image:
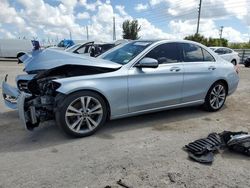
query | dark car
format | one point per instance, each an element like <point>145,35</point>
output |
<point>247,62</point>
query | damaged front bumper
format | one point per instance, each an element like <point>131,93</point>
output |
<point>10,94</point>
<point>21,111</point>
<point>15,99</point>
<point>27,115</point>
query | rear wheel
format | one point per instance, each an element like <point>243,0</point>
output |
<point>216,97</point>
<point>81,114</point>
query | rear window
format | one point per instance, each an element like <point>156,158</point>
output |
<point>195,53</point>
<point>207,56</point>
<point>192,52</point>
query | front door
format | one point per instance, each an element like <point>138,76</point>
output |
<point>151,88</point>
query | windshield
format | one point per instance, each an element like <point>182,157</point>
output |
<point>73,48</point>
<point>127,52</point>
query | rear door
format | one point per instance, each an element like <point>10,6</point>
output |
<point>151,88</point>
<point>199,67</point>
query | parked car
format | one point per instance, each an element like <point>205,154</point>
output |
<point>92,48</point>
<point>247,62</point>
<point>66,43</point>
<point>227,54</point>
<point>138,77</point>
<point>15,48</point>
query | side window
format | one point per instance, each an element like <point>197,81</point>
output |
<point>165,53</point>
<point>228,51</point>
<point>220,51</point>
<point>81,50</point>
<point>192,53</point>
<point>207,55</point>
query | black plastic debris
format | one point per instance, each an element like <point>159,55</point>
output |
<point>239,143</point>
<point>122,184</point>
<point>202,150</point>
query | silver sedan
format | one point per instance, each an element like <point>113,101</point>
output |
<point>139,77</point>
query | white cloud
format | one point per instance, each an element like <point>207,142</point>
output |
<point>57,21</point>
<point>84,15</point>
<point>140,7</point>
<point>90,6</point>
<point>149,31</point>
<point>207,28</point>
<point>121,10</point>
<point>9,15</point>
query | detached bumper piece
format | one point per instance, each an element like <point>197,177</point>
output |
<point>202,150</point>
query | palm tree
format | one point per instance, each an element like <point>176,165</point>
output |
<point>131,29</point>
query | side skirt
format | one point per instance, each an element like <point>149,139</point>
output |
<point>192,103</point>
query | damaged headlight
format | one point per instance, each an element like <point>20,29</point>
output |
<point>44,86</point>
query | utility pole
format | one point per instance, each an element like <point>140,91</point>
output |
<point>87,29</point>
<point>114,31</point>
<point>221,30</point>
<point>70,36</point>
<point>199,15</point>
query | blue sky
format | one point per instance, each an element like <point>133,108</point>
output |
<point>55,19</point>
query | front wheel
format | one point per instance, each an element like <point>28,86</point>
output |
<point>216,97</point>
<point>81,114</point>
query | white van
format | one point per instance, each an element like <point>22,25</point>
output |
<point>15,48</point>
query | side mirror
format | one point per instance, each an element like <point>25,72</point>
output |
<point>147,63</point>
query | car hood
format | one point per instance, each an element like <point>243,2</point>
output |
<point>52,58</point>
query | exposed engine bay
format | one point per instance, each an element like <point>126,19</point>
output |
<point>42,98</point>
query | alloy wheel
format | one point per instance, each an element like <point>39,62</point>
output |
<point>217,96</point>
<point>84,114</point>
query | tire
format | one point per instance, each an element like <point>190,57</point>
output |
<point>234,62</point>
<point>216,97</point>
<point>77,121</point>
<point>247,64</point>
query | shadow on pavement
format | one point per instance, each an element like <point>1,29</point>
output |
<point>14,138</point>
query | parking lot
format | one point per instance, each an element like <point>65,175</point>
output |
<point>142,151</point>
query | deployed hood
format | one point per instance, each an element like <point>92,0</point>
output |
<point>51,58</point>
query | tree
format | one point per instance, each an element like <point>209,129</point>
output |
<point>197,38</point>
<point>207,41</point>
<point>130,29</point>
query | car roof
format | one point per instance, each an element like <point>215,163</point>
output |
<point>217,47</point>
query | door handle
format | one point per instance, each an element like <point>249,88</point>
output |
<point>211,68</point>
<point>175,69</point>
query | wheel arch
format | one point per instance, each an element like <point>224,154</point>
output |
<point>222,81</point>
<point>19,54</point>
<point>234,61</point>
<point>97,92</point>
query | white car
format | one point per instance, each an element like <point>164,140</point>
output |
<point>227,54</point>
<point>15,48</point>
